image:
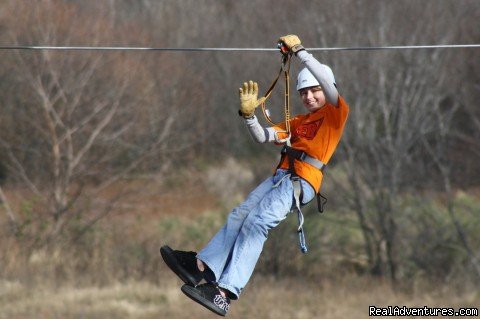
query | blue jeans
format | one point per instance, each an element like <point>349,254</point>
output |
<point>234,251</point>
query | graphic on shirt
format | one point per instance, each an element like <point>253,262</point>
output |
<point>309,130</point>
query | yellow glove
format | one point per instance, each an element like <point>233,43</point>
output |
<point>248,99</point>
<point>292,42</point>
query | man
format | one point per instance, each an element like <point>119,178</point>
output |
<point>228,260</point>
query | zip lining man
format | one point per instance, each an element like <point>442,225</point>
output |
<point>228,260</point>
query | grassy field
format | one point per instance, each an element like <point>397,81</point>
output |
<point>263,298</point>
<point>115,270</point>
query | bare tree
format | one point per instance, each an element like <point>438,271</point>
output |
<point>438,144</point>
<point>75,120</point>
<point>74,123</point>
<point>396,108</point>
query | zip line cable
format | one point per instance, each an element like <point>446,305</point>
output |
<point>118,48</point>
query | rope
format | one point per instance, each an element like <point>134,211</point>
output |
<point>286,73</point>
<point>285,69</point>
<point>107,48</point>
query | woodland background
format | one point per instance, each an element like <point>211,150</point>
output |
<point>107,155</point>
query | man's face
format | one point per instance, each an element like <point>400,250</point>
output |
<point>313,98</point>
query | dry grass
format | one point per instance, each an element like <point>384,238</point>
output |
<point>263,298</point>
<point>116,271</point>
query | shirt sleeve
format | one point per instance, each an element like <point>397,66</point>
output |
<point>340,113</point>
<point>256,130</point>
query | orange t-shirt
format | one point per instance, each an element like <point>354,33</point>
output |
<point>318,135</point>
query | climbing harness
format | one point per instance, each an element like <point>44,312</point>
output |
<point>291,153</point>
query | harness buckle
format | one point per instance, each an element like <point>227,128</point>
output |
<point>302,156</point>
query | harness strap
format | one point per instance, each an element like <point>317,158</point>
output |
<point>294,154</point>
<point>297,192</point>
<point>285,69</point>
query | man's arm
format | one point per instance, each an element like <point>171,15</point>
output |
<point>321,73</point>
<point>258,132</point>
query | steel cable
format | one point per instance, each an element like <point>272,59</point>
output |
<point>119,48</point>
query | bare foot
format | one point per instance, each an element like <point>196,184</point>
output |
<point>222,292</point>
<point>200,265</point>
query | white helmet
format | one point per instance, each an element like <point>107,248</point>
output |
<point>306,79</point>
